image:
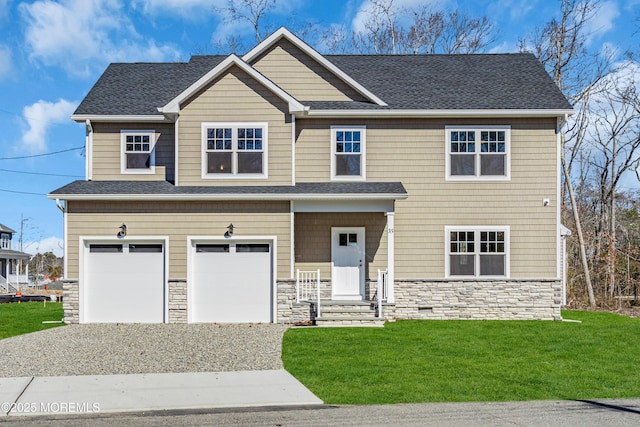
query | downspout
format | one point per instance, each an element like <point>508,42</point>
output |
<point>64,237</point>
<point>88,151</point>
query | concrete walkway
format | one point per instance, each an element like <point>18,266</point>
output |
<point>151,392</point>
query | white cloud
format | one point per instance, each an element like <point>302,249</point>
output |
<point>363,14</point>
<point>80,35</point>
<point>603,21</point>
<point>5,61</point>
<point>40,117</point>
<point>49,244</point>
<point>185,8</point>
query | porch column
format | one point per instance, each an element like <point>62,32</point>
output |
<point>390,257</point>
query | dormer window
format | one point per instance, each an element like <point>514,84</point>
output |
<point>138,154</point>
<point>5,241</point>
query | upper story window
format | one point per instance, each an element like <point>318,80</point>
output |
<point>478,153</point>
<point>138,154</point>
<point>5,241</point>
<point>234,150</point>
<point>477,251</point>
<point>348,153</point>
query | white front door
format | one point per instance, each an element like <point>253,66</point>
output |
<point>347,263</point>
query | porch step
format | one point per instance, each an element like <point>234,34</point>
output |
<point>348,313</point>
<point>348,321</point>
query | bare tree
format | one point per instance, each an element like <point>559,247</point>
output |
<point>561,47</point>
<point>251,11</point>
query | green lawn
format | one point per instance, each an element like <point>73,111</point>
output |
<point>445,361</point>
<point>18,319</point>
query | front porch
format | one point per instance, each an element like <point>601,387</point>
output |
<point>327,309</point>
<point>14,271</point>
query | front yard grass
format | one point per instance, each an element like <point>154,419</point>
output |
<point>459,361</point>
<point>18,319</point>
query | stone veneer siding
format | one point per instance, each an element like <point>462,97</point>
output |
<point>474,299</point>
<point>177,300</point>
<point>415,299</point>
<point>71,301</point>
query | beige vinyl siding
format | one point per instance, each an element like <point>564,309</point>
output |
<point>106,158</point>
<point>234,97</point>
<point>313,240</point>
<point>178,220</point>
<point>413,151</point>
<point>301,76</point>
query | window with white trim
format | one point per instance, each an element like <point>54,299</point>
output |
<point>5,241</point>
<point>138,154</point>
<point>348,153</point>
<point>234,150</point>
<point>478,153</point>
<point>477,251</point>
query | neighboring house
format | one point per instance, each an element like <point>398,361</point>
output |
<point>211,183</point>
<point>14,265</point>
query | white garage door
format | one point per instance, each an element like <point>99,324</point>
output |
<point>231,283</point>
<point>124,283</point>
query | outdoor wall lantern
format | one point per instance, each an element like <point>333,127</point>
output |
<point>229,231</point>
<point>122,232</point>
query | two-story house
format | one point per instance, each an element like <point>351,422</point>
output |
<point>429,181</point>
<point>14,265</point>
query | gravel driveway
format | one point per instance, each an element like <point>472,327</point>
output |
<point>127,349</point>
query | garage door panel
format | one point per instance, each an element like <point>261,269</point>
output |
<point>232,286</point>
<point>124,287</point>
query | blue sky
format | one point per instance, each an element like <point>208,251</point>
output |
<point>52,52</point>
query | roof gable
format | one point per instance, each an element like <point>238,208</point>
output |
<point>281,33</point>
<point>173,106</point>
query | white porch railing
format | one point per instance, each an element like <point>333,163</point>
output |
<point>308,287</point>
<point>13,283</point>
<point>382,289</point>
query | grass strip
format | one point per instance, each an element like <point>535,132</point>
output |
<point>26,317</point>
<point>459,361</point>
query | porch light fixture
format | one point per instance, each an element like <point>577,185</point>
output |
<point>122,232</point>
<point>229,231</point>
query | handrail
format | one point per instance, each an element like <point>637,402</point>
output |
<point>308,287</point>
<point>381,289</point>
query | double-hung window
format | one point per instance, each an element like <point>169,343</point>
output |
<point>477,251</point>
<point>348,153</point>
<point>138,154</point>
<point>5,241</point>
<point>478,153</point>
<point>234,150</point>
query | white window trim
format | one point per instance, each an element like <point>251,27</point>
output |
<point>234,150</point>
<point>152,152</point>
<point>363,153</point>
<point>478,177</point>
<point>5,241</point>
<point>477,229</point>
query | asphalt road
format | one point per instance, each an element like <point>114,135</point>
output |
<point>599,413</point>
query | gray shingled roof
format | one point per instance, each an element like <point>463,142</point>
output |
<point>5,253</point>
<point>6,229</point>
<point>164,188</point>
<point>416,82</point>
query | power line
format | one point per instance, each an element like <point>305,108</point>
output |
<point>23,192</point>
<point>40,173</point>
<point>41,155</point>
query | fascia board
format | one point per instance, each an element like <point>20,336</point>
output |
<point>174,105</point>
<point>438,113</point>
<point>230,196</point>
<point>82,118</point>
<point>283,32</point>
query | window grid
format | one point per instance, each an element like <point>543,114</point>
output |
<point>232,150</point>
<point>478,154</point>
<point>477,253</point>
<point>138,143</point>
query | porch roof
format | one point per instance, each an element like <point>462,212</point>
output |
<point>163,190</point>
<point>5,229</point>
<point>8,254</point>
